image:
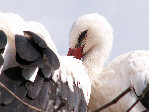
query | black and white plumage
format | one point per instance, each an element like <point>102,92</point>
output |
<point>32,69</point>
<point>3,42</point>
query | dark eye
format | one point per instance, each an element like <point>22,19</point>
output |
<point>82,36</point>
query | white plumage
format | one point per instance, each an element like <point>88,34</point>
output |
<point>130,69</point>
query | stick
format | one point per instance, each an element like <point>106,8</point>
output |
<point>62,104</point>
<point>24,103</point>
<point>114,100</point>
<point>140,97</point>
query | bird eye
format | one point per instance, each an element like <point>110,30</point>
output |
<point>82,36</point>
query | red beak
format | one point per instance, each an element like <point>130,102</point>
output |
<point>76,53</point>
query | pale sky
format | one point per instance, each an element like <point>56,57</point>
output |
<point>129,19</point>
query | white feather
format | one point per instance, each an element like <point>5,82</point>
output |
<point>130,69</point>
<point>72,70</point>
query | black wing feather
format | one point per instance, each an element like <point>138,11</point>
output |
<point>38,40</point>
<point>52,58</point>
<point>11,78</point>
<point>3,39</point>
<point>25,48</point>
<point>33,88</point>
<point>1,60</point>
<point>43,95</point>
<point>32,52</point>
<point>15,104</point>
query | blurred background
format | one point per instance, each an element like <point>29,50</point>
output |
<point>129,19</point>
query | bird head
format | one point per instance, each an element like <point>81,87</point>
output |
<point>88,32</point>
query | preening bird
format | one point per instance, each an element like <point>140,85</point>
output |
<point>91,38</point>
<point>31,68</point>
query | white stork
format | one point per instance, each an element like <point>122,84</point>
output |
<point>91,37</point>
<point>32,69</point>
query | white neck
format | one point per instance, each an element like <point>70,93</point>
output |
<point>94,60</point>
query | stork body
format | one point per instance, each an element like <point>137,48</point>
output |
<point>93,36</point>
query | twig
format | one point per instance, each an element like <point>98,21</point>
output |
<point>114,100</point>
<point>140,97</point>
<point>145,110</point>
<point>62,104</point>
<point>24,103</point>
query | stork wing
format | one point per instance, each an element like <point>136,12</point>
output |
<point>34,73</point>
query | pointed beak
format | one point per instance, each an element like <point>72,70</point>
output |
<point>77,53</point>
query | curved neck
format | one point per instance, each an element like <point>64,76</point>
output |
<point>94,60</point>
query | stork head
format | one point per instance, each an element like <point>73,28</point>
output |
<point>88,32</point>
